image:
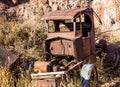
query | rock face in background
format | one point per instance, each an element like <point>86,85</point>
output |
<point>28,12</point>
<point>108,11</point>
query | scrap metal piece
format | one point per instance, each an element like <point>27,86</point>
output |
<point>42,66</point>
<point>63,14</point>
<point>7,58</point>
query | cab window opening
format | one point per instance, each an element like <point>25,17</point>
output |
<point>86,25</point>
<point>67,25</point>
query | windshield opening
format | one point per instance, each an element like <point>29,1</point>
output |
<point>60,26</point>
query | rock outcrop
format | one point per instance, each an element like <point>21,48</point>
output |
<point>108,12</point>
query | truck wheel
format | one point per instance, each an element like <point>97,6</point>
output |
<point>117,59</point>
<point>113,55</point>
<point>94,78</point>
<point>89,76</point>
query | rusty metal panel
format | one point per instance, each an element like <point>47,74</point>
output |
<point>41,66</point>
<point>61,47</point>
<point>78,33</point>
<point>62,14</point>
<point>68,47</point>
<point>44,83</point>
<point>78,48</point>
<point>55,47</point>
<point>68,35</point>
<point>7,58</point>
<point>86,46</point>
<point>87,51</point>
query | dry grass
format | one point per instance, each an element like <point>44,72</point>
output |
<point>73,80</point>
<point>7,79</point>
<point>22,39</point>
<point>27,42</point>
<point>115,36</point>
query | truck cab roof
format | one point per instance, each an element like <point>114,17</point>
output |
<point>65,14</point>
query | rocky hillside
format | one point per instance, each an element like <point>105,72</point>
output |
<point>24,15</point>
<point>31,10</point>
<point>22,31</point>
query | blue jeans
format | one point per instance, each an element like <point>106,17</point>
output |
<point>85,83</point>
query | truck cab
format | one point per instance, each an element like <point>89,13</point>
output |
<point>70,33</point>
<point>70,46</point>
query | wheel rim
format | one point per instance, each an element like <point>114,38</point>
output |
<point>94,78</point>
<point>117,59</point>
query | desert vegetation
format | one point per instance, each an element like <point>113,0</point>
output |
<point>24,41</point>
<point>25,37</point>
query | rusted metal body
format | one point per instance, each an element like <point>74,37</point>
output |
<point>44,83</point>
<point>77,40</point>
<point>41,66</point>
<point>70,37</point>
<point>70,40</point>
<point>62,14</point>
<point>7,58</point>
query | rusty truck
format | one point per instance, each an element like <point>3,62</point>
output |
<point>70,46</point>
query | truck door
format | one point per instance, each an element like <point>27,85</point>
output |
<point>86,37</point>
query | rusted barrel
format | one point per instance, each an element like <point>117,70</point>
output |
<point>41,66</point>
